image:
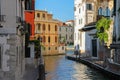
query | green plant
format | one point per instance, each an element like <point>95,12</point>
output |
<point>37,44</point>
<point>62,40</point>
<point>102,27</point>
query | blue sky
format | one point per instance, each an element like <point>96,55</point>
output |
<point>61,9</point>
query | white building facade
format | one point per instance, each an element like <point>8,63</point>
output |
<point>66,34</point>
<point>84,13</point>
<point>12,43</point>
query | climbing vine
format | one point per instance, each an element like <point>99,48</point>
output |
<point>102,27</point>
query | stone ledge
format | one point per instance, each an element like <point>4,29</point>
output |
<point>101,69</point>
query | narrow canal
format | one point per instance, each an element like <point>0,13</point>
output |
<point>59,68</point>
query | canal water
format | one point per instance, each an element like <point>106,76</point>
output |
<point>59,68</point>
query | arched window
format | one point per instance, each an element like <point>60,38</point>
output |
<point>38,14</point>
<point>44,27</point>
<point>44,39</point>
<point>55,39</point>
<point>100,11</point>
<point>29,28</point>
<point>55,27</point>
<point>107,12</point>
<point>49,39</point>
<point>49,27</point>
<point>39,26</point>
<point>43,15</point>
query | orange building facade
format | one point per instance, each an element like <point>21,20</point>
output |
<point>47,29</point>
<point>29,16</point>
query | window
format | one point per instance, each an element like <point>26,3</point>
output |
<point>89,6</point>
<point>60,36</point>
<point>74,8</point>
<point>75,36</point>
<point>66,36</point>
<point>28,5</point>
<point>39,26</point>
<point>71,36</point>
<point>79,10</point>
<point>55,48</point>
<point>44,39</point>
<point>107,12</point>
<point>0,57</point>
<point>59,29</point>
<point>55,27</point>
<point>49,27</point>
<point>49,48</point>
<point>79,21</point>
<point>38,14</point>
<point>100,11</point>
<point>29,28</point>
<point>66,29</point>
<point>101,0</point>
<point>80,39</point>
<point>62,48</point>
<point>49,39</point>
<point>55,39</point>
<point>78,36</point>
<point>43,27</point>
<point>44,16</point>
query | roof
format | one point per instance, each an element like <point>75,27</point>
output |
<point>89,27</point>
<point>70,21</point>
<point>90,24</point>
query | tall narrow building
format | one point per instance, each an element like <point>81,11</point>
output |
<point>47,29</point>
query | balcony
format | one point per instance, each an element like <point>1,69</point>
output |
<point>2,18</point>
<point>100,16</point>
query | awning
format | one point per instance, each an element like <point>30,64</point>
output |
<point>87,28</point>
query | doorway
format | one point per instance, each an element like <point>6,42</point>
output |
<point>94,48</point>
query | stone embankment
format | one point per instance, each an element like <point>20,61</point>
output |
<point>96,65</point>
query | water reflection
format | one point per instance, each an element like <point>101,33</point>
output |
<point>59,68</point>
<point>85,73</point>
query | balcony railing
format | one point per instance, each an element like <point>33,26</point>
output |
<point>100,16</point>
<point>2,18</point>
